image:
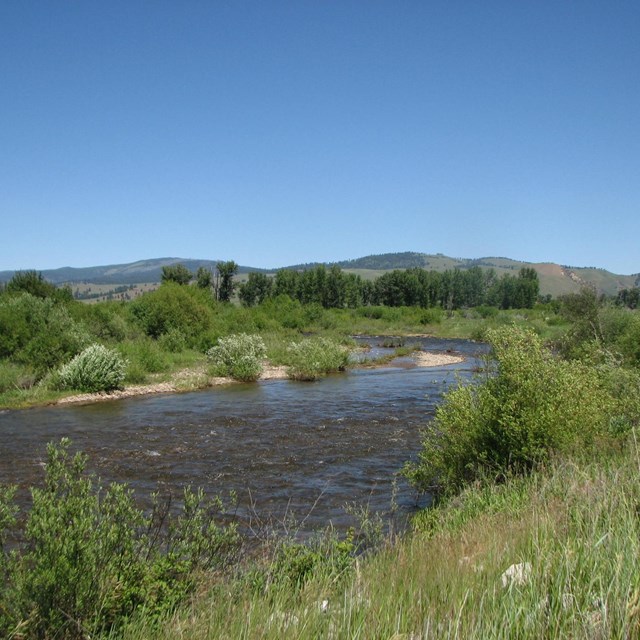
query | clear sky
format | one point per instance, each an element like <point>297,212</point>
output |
<point>273,133</point>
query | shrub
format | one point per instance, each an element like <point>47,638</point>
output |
<point>239,356</point>
<point>38,333</point>
<point>95,369</point>
<point>144,355</point>
<point>315,357</point>
<point>91,557</point>
<point>174,307</point>
<point>533,405</point>
<point>431,316</point>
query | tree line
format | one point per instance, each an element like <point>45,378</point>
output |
<point>452,289</point>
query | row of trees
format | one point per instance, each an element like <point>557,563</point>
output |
<point>334,288</point>
<point>221,283</point>
<point>452,289</point>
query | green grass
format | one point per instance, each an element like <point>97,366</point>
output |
<point>153,360</point>
<point>575,523</point>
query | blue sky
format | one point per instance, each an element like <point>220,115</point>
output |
<point>274,133</point>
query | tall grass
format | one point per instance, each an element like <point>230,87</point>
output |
<point>574,523</point>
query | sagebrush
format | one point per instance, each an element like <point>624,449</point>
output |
<point>97,368</point>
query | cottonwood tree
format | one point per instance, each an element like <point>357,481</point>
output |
<point>177,273</point>
<point>204,278</point>
<point>224,285</point>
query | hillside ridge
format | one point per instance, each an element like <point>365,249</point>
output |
<point>555,279</point>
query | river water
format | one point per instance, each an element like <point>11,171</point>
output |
<point>294,451</point>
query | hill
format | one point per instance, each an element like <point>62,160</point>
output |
<point>121,274</point>
<point>555,279</point>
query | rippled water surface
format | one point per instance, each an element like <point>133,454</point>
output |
<point>297,449</point>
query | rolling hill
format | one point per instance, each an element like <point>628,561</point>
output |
<point>555,279</point>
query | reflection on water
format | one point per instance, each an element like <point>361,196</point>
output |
<point>297,449</point>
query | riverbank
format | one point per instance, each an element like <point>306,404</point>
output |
<point>194,378</point>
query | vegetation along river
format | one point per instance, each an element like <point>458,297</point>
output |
<point>288,449</point>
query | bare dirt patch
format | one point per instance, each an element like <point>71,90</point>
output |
<point>430,359</point>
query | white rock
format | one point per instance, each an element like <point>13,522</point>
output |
<point>516,575</point>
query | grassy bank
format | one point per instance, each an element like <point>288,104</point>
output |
<point>169,356</point>
<point>533,533</point>
<point>571,527</point>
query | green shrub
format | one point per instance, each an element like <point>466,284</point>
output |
<point>533,405</point>
<point>105,320</point>
<point>173,341</point>
<point>174,307</point>
<point>91,557</point>
<point>315,357</point>
<point>15,377</point>
<point>38,333</point>
<point>145,355</point>
<point>239,356</point>
<point>95,369</point>
<point>487,311</point>
<point>431,316</point>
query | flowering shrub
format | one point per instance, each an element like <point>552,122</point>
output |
<point>94,369</point>
<point>239,356</point>
<point>315,357</point>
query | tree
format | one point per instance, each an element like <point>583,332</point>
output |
<point>177,273</point>
<point>204,278</point>
<point>255,290</point>
<point>224,285</point>
<point>31,282</point>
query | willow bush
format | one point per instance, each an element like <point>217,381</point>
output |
<point>91,557</point>
<point>97,368</point>
<point>531,405</point>
<point>314,357</point>
<point>238,356</point>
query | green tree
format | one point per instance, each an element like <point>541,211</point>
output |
<point>177,273</point>
<point>224,280</point>
<point>287,282</point>
<point>34,283</point>
<point>204,278</point>
<point>256,289</point>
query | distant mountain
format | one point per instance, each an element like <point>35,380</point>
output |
<point>555,279</point>
<point>132,273</point>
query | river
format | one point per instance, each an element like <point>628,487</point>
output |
<point>294,451</point>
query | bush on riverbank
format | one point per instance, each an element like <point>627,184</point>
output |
<point>90,557</point>
<point>97,368</point>
<point>315,357</point>
<point>569,532</point>
<point>238,356</point>
<point>38,333</point>
<point>535,406</point>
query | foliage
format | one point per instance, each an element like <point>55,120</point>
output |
<point>314,357</point>
<point>174,307</point>
<point>534,405</point>
<point>144,355</point>
<point>255,290</point>
<point>92,557</point>
<point>35,284</point>
<point>599,327</point>
<point>204,278</point>
<point>629,297</point>
<point>96,368</point>
<point>38,332</point>
<point>177,273</point>
<point>224,280</point>
<point>239,356</point>
<point>324,553</point>
<point>106,321</point>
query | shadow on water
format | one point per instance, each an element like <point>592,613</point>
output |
<point>300,450</point>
